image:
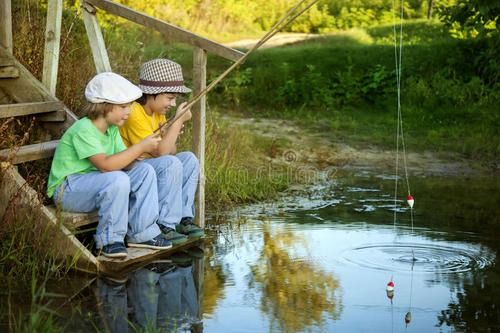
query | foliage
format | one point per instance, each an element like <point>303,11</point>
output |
<point>472,17</point>
<point>227,19</point>
<point>234,170</point>
<point>477,19</point>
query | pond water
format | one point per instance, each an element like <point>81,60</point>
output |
<point>320,262</point>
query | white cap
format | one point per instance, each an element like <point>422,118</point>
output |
<point>111,88</point>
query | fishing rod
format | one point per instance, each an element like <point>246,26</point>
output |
<point>288,18</point>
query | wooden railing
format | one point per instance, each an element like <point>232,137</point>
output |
<point>172,32</point>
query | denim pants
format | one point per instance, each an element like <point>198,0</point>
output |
<point>126,201</point>
<point>177,182</point>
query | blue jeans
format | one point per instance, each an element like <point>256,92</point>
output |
<point>177,182</point>
<point>126,201</point>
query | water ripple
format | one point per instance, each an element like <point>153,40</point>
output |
<point>398,257</point>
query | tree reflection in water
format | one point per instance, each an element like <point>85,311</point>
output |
<point>295,294</point>
<point>214,280</point>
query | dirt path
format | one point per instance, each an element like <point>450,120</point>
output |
<point>277,40</point>
<point>322,152</point>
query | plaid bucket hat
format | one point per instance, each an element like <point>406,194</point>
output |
<point>160,76</point>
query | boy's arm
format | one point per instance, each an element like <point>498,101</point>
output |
<point>168,143</point>
<point>121,160</point>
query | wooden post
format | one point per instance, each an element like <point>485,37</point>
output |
<point>6,25</point>
<point>199,282</point>
<point>199,120</point>
<point>96,40</point>
<point>52,44</point>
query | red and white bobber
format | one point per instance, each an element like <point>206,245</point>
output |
<point>390,286</point>
<point>410,200</point>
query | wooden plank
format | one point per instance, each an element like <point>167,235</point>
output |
<point>29,152</point>
<point>5,60</point>
<point>96,40</point>
<point>171,31</point>
<point>17,196</point>
<point>6,25</point>
<point>9,72</point>
<point>27,88</point>
<point>199,120</point>
<point>74,220</point>
<point>24,109</point>
<point>52,44</point>
<point>138,257</point>
<point>56,116</point>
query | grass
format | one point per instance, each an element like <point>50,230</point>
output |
<point>345,85</point>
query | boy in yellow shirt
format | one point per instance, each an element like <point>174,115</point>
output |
<point>177,173</point>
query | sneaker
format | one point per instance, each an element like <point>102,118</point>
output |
<point>171,235</point>
<point>157,243</point>
<point>116,250</point>
<point>188,228</point>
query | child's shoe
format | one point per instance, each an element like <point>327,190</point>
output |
<point>116,250</point>
<point>188,228</point>
<point>157,243</point>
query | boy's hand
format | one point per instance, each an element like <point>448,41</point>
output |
<point>150,143</point>
<point>186,116</point>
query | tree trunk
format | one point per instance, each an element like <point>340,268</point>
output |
<point>429,9</point>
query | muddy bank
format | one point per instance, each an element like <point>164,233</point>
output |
<point>322,150</point>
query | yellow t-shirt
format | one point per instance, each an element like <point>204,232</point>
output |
<point>139,124</point>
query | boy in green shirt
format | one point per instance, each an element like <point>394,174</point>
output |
<point>92,170</point>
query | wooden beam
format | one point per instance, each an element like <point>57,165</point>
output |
<point>55,116</point>
<point>5,60</point>
<point>6,25</point>
<point>74,220</point>
<point>25,109</point>
<point>29,152</point>
<point>96,40</point>
<point>9,72</point>
<point>171,31</point>
<point>199,120</point>
<point>17,196</point>
<point>52,44</point>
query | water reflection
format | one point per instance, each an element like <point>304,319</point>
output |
<point>288,284</point>
<point>160,297</point>
<point>322,264</point>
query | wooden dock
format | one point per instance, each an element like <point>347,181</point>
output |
<point>21,94</point>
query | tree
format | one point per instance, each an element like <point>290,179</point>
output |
<point>476,18</point>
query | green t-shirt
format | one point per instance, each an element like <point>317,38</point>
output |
<point>81,141</point>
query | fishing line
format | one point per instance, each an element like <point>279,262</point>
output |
<point>400,142</point>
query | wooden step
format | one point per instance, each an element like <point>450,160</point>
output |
<point>5,58</point>
<point>9,72</point>
<point>26,109</point>
<point>139,257</point>
<point>7,66</point>
<point>30,152</point>
<point>75,220</point>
